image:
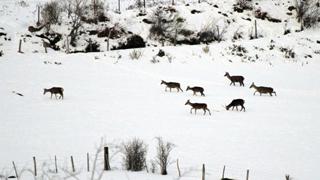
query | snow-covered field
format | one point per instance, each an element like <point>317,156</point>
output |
<point>110,96</point>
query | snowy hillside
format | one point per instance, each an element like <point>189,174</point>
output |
<point>112,96</point>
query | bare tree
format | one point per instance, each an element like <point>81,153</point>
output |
<point>134,154</point>
<point>51,13</point>
<point>77,10</point>
<point>163,152</point>
<point>308,12</point>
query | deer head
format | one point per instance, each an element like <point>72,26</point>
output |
<point>227,74</point>
<point>188,102</point>
<point>252,85</point>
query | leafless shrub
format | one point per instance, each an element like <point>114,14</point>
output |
<point>135,54</point>
<point>134,154</point>
<point>307,13</point>
<point>244,4</point>
<point>206,49</point>
<point>163,152</point>
<point>167,24</point>
<point>213,32</point>
<point>76,9</point>
<point>51,13</point>
<point>238,34</point>
<point>288,177</point>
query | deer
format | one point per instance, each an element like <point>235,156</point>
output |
<point>196,106</point>
<point>171,85</point>
<point>196,89</point>
<point>235,79</point>
<point>263,90</point>
<point>236,103</point>
<point>55,91</point>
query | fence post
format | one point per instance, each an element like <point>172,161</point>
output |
<point>20,44</point>
<point>55,163</point>
<point>247,177</point>
<point>178,167</point>
<point>35,166</point>
<point>255,29</point>
<point>88,165</point>
<point>106,159</point>
<point>72,164</point>
<point>15,169</point>
<point>38,23</point>
<point>203,171</point>
<point>223,171</point>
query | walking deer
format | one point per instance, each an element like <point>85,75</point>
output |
<point>236,103</point>
<point>55,91</point>
<point>196,106</point>
<point>196,89</point>
<point>235,79</point>
<point>263,90</point>
<point>171,85</point>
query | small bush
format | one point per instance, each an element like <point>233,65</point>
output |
<point>163,152</point>
<point>206,49</point>
<point>161,53</point>
<point>51,12</point>
<point>92,47</point>
<point>135,54</point>
<point>134,154</point>
<point>134,41</point>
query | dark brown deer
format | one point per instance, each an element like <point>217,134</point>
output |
<point>263,90</point>
<point>235,79</point>
<point>171,85</point>
<point>236,103</point>
<point>196,106</point>
<point>196,89</point>
<point>55,91</point>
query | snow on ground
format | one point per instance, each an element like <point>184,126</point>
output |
<point>111,96</point>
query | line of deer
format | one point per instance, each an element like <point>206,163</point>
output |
<point>263,90</point>
<point>55,91</point>
<point>234,79</point>
<point>197,106</point>
<point>236,103</point>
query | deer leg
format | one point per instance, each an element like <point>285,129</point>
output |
<point>237,108</point>
<point>270,94</point>
<point>232,108</point>
<point>204,110</point>
<point>181,89</point>
<point>195,111</point>
<point>254,93</point>
<point>209,112</point>
<point>51,96</point>
<point>231,83</point>
<point>191,111</point>
<point>275,93</point>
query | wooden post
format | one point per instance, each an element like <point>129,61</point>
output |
<point>175,37</point>
<point>55,163</point>
<point>198,1</point>
<point>72,164</point>
<point>219,38</point>
<point>15,169</point>
<point>45,46</point>
<point>144,4</point>
<point>20,44</point>
<point>203,172</point>
<point>119,6</point>
<point>223,171</point>
<point>88,165</point>
<point>38,22</point>
<point>178,167</point>
<point>68,50</point>
<point>255,29</point>
<point>106,159</point>
<point>35,166</point>
<point>172,2</point>
<point>247,176</point>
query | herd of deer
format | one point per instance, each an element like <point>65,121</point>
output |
<point>196,89</point>
<point>234,103</point>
